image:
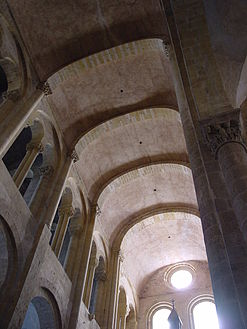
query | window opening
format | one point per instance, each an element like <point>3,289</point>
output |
<point>160,319</point>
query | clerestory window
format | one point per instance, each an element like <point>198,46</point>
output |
<point>160,318</point>
<point>203,314</point>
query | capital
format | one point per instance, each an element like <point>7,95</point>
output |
<point>100,275</point>
<point>46,171</point>
<point>66,209</point>
<point>222,129</point>
<point>45,87</point>
<point>96,209</point>
<point>74,156</point>
<point>37,146</point>
<point>76,224</point>
<point>167,48</point>
<point>13,95</point>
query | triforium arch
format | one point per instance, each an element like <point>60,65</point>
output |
<point>42,312</point>
<point>9,260</point>
<point>12,63</point>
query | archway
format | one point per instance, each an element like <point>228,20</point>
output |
<point>7,256</point>
<point>39,315</point>
<point>97,289</point>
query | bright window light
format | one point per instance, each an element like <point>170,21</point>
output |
<point>160,319</point>
<point>181,279</point>
<point>205,316</point>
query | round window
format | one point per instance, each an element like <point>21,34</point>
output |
<point>181,279</point>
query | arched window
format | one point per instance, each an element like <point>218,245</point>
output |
<point>158,316</point>
<point>160,319</point>
<point>203,313</point>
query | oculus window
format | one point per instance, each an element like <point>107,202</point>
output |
<point>181,279</point>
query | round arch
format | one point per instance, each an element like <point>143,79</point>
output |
<point>196,301</point>
<point>40,315</point>
<point>131,128</point>
<point>156,210</point>
<point>12,61</point>
<point>8,257</point>
<point>153,309</point>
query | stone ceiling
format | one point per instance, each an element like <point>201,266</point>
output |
<point>129,141</point>
<point>57,33</point>
<point>83,97</point>
<point>146,188</point>
<point>161,240</point>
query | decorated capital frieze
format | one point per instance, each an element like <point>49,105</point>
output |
<point>222,129</point>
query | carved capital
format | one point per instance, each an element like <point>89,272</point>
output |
<point>96,209</point>
<point>65,209</point>
<point>46,171</point>
<point>45,87</point>
<point>100,275</point>
<point>76,224</point>
<point>167,49</point>
<point>13,95</point>
<point>221,130</point>
<point>32,145</point>
<point>91,316</point>
<point>94,262</point>
<point>74,156</point>
<point>75,227</point>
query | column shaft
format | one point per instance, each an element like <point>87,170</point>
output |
<point>16,118</point>
<point>76,235</point>
<point>90,277</point>
<point>25,165</point>
<point>45,202</point>
<point>61,230</point>
<point>232,158</point>
<point>111,303</point>
<point>227,300</point>
<point>80,278</point>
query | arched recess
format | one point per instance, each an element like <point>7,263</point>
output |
<point>93,263</point>
<point>98,290</point>
<point>17,150</point>
<point>8,258</point>
<point>40,315</point>
<point>12,63</point>
<point>10,77</point>
<point>24,158</point>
